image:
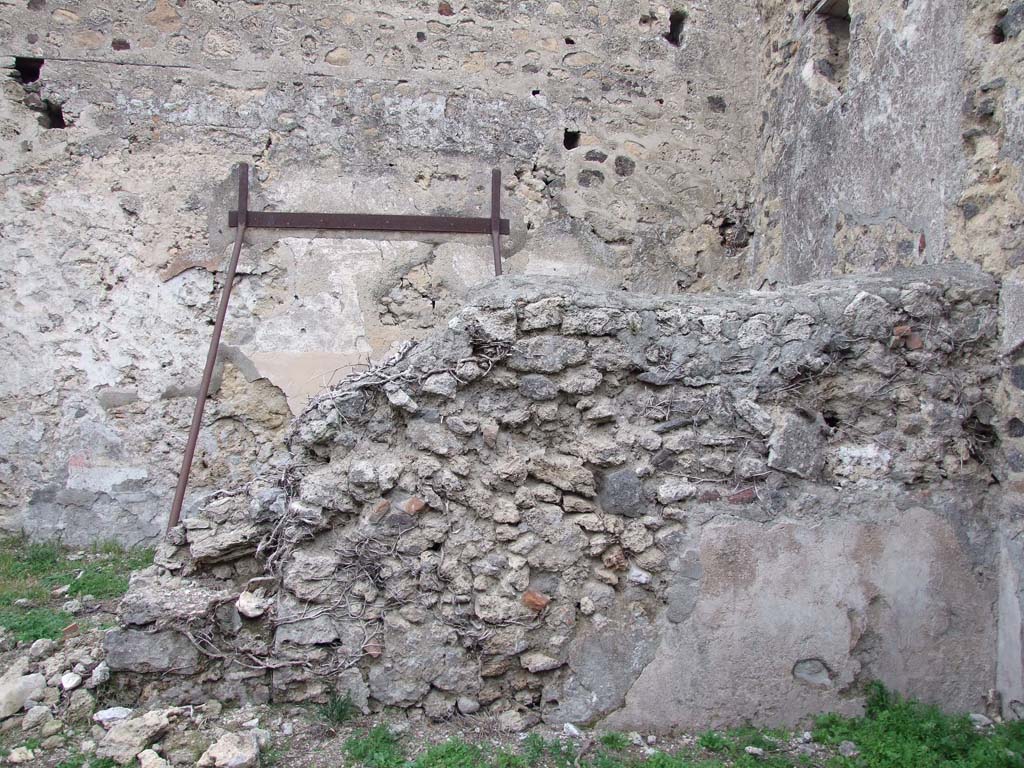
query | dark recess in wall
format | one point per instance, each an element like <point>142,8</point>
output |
<point>676,22</point>
<point>27,68</point>
<point>832,41</point>
<point>52,115</point>
<point>571,139</point>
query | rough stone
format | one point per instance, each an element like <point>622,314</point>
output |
<point>35,718</point>
<point>138,651</point>
<point>674,490</point>
<point>16,689</point>
<point>796,446</point>
<point>127,738</point>
<point>252,605</point>
<point>41,648</point>
<point>622,493</point>
<point>232,750</point>
<point>70,680</point>
<point>20,755</point>
<point>467,706</point>
<point>107,717</point>
<point>80,706</point>
<point>100,675</point>
<point>539,662</point>
<point>150,759</point>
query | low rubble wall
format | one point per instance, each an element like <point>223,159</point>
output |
<point>649,512</point>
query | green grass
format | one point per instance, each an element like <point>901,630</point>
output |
<point>273,756</point>
<point>896,732</point>
<point>893,733</point>
<point>338,709</point>
<point>31,571</point>
<point>540,752</point>
<point>453,753</point>
<point>615,741</point>
<point>30,624</point>
<point>379,748</point>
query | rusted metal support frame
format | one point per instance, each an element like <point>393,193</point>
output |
<point>243,219</point>
<point>211,355</point>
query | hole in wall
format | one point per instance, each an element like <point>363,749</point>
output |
<point>571,139</point>
<point>36,5</point>
<point>998,33</point>
<point>570,41</point>
<point>676,22</point>
<point>27,68</point>
<point>831,44</point>
<point>53,117</point>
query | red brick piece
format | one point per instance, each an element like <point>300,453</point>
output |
<point>746,496</point>
<point>445,8</point>
<point>535,601</point>
<point>413,505</point>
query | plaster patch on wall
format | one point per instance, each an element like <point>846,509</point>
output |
<point>320,328</point>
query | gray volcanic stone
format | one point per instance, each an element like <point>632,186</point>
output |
<point>622,493</point>
<point>797,446</point>
<point>1013,22</point>
<point>547,354</point>
<point>132,650</point>
<point>534,386</point>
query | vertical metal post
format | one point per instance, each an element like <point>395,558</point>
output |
<point>211,355</point>
<point>496,219</point>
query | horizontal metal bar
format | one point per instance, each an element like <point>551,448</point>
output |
<point>367,222</point>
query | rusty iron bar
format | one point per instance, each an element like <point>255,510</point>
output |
<point>211,355</point>
<point>496,221</point>
<point>243,219</point>
<point>369,222</point>
<point>494,225</point>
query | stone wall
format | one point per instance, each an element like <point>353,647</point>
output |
<point>744,144</point>
<point>651,512</point>
<point>890,136</point>
<point>626,158</point>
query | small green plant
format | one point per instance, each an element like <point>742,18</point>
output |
<point>379,748</point>
<point>538,751</point>
<point>665,760</point>
<point>103,762</point>
<point>75,760</point>
<point>505,760</point>
<point>338,709</point>
<point>713,741</point>
<point>453,753</point>
<point>615,741</point>
<point>272,756</point>
<point>748,736</point>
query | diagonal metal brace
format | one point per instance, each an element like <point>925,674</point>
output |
<point>242,219</point>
